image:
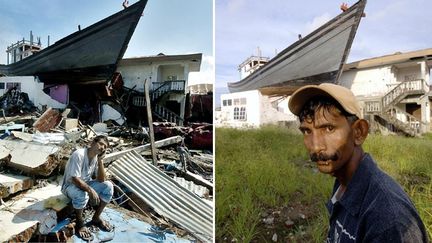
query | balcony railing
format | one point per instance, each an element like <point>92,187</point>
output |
<point>177,85</point>
<point>160,88</point>
<point>373,106</point>
<point>403,89</point>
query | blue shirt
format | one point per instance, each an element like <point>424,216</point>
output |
<point>374,208</point>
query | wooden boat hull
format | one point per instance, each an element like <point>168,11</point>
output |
<point>86,55</point>
<point>318,57</point>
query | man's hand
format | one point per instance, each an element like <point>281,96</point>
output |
<point>101,156</point>
<point>94,197</point>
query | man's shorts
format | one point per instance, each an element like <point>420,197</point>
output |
<point>80,198</point>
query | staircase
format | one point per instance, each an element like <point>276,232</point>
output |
<point>386,107</point>
<point>167,115</point>
<point>159,89</point>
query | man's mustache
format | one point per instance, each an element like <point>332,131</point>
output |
<point>315,157</point>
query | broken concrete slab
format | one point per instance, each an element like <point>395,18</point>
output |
<point>70,123</point>
<point>48,120</point>
<point>100,128</point>
<point>31,158</point>
<point>20,218</point>
<point>43,138</point>
<point>161,143</point>
<point>28,137</point>
<point>109,113</point>
<point>4,152</point>
<point>10,184</point>
<point>49,138</point>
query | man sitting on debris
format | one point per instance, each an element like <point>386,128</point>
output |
<point>367,205</point>
<point>79,184</point>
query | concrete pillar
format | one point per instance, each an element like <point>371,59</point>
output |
<point>154,75</point>
<point>425,114</point>
<point>182,109</point>
<point>186,75</point>
<point>423,71</point>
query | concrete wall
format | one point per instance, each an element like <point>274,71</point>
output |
<point>275,111</point>
<point>369,82</point>
<point>409,73</point>
<point>253,109</point>
<point>379,80</point>
<point>172,70</point>
<point>34,89</point>
<point>135,75</point>
<point>154,71</point>
<point>260,110</point>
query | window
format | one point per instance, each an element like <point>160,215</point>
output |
<point>2,85</point>
<point>172,77</point>
<point>11,85</point>
<point>240,101</point>
<point>227,102</point>
<point>240,113</point>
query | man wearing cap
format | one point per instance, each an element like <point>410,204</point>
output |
<point>367,205</point>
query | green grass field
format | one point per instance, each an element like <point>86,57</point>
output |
<point>265,172</point>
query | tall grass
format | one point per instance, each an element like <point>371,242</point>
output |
<point>265,164</point>
<point>265,168</point>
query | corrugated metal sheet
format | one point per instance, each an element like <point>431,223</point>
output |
<point>197,189</point>
<point>165,195</point>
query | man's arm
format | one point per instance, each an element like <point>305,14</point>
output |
<point>101,176</point>
<point>399,233</point>
<point>85,187</point>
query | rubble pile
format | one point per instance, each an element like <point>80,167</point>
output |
<point>35,147</point>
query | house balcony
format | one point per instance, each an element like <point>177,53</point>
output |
<point>166,86</point>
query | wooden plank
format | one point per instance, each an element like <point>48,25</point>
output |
<point>150,122</point>
<point>49,120</point>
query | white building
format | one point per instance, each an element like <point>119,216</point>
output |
<point>251,108</point>
<point>168,76</point>
<point>393,91</point>
<point>33,88</point>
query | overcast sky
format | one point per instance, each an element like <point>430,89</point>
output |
<point>243,25</point>
<point>168,26</point>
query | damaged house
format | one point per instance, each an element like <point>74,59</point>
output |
<point>55,100</point>
<point>393,91</point>
<point>168,78</point>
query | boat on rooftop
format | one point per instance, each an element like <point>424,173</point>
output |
<point>316,58</point>
<point>88,55</point>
